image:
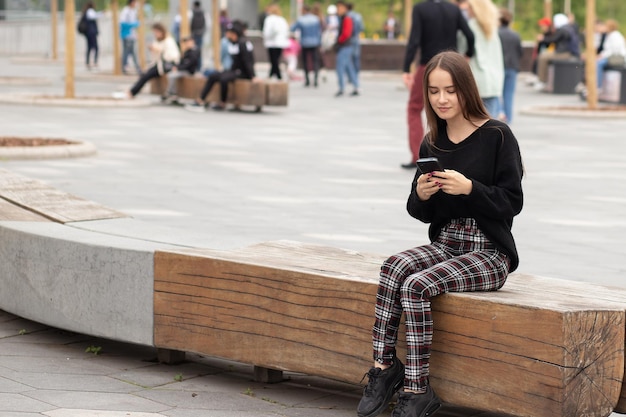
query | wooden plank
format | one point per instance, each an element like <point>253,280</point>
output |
<point>49,202</point>
<point>277,93</point>
<point>309,309</point>
<point>11,212</point>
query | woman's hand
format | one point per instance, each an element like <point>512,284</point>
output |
<point>427,186</point>
<point>452,182</point>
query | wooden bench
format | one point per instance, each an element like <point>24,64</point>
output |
<point>538,347</point>
<point>258,94</point>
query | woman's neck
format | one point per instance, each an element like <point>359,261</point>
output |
<point>460,129</point>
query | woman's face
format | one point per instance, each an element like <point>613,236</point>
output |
<point>159,36</point>
<point>442,95</point>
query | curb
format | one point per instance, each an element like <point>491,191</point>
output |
<point>76,150</point>
<point>85,101</point>
<point>582,112</point>
<point>9,80</point>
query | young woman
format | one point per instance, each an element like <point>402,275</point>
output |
<point>166,56</point>
<point>470,206</point>
<point>487,63</point>
<point>91,33</point>
<point>275,38</point>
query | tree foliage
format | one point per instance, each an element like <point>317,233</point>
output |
<point>527,12</point>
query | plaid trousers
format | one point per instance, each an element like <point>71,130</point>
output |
<point>461,259</point>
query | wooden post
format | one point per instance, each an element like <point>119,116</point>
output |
<point>70,44</point>
<point>115,18</point>
<point>184,19</point>
<point>408,10</point>
<point>215,35</point>
<point>54,11</point>
<point>591,73</point>
<point>547,8</point>
<point>141,35</point>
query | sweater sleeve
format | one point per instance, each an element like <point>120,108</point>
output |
<point>504,198</point>
<point>419,209</point>
<point>415,40</point>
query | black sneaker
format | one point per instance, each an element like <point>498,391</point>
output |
<point>417,405</point>
<point>380,388</point>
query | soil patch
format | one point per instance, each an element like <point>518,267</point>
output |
<point>32,142</point>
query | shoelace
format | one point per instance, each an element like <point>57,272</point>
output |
<point>372,375</point>
<point>398,410</point>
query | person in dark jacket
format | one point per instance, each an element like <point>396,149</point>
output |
<point>198,28</point>
<point>434,26</point>
<point>512,54</point>
<point>91,33</point>
<point>469,202</point>
<point>242,68</point>
<point>562,40</point>
<point>187,66</point>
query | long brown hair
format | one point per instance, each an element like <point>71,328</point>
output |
<point>472,106</point>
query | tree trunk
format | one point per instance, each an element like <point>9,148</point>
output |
<point>591,73</point>
<point>70,44</point>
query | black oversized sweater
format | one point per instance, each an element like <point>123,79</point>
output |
<point>491,159</point>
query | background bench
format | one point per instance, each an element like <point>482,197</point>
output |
<point>538,347</point>
<point>613,86</point>
<point>243,92</point>
<point>563,75</point>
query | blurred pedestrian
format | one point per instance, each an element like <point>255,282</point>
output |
<point>357,29</point>
<point>198,29</point>
<point>275,38</point>
<point>128,32</point>
<point>224,22</point>
<point>345,50</point>
<point>90,17</point>
<point>430,37</point>
<point>166,56</point>
<point>512,53</point>
<point>613,51</point>
<point>310,28</point>
<point>487,63</point>
<point>290,53</point>
<point>391,28</point>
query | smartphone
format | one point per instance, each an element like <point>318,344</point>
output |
<point>428,165</point>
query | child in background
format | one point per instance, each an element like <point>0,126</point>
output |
<point>291,54</point>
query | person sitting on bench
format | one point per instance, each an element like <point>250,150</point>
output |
<point>167,56</point>
<point>187,67</point>
<point>242,68</point>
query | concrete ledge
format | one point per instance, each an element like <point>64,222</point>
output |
<point>78,280</point>
<point>58,101</point>
<point>75,150</point>
<point>612,112</point>
<point>24,81</point>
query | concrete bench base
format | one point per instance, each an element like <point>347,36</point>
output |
<point>613,86</point>
<point>243,92</point>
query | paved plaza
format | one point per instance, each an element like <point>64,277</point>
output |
<point>323,170</point>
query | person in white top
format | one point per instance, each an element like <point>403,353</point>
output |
<point>275,38</point>
<point>166,56</point>
<point>614,46</point>
<point>487,63</point>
